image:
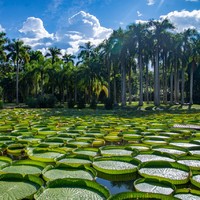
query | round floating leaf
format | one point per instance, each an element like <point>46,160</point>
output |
<point>194,151</point>
<point>141,195</point>
<point>4,161</point>
<point>183,143</point>
<point>172,172</point>
<point>16,149</point>
<point>45,155</point>
<point>79,143</point>
<point>73,189</point>
<point>112,138</point>
<point>190,161</point>
<point>25,167</point>
<point>154,186</point>
<point>51,173</point>
<point>115,165</point>
<point>74,160</point>
<point>117,151</point>
<point>140,147</point>
<point>195,179</point>
<point>86,151</point>
<point>186,194</point>
<point>154,156</point>
<point>16,186</point>
<point>178,151</point>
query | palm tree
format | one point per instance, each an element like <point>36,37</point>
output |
<point>159,28</point>
<point>40,67</point>
<point>139,33</point>
<point>3,41</point>
<point>18,53</point>
<point>54,52</point>
<point>68,58</point>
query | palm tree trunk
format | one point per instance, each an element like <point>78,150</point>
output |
<point>129,86</point>
<point>17,83</point>
<point>115,90</point>
<point>176,83</point>
<point>109,69</point>
<point>171,88</point>
<point>140,81</point>
<point>191,84</point>
<point>182,86</point>
<point>147,83</point>
<point>156,80</point>
<point>123,81</point>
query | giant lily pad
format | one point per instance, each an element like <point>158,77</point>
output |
<point>45,155</point>
<point>51,173</point>
<point>15,186</point>
<point>73,189</point>
<point>115,165</point>
<point>174,173</point>
<point>154,186</point>
<point>154,156</point>
<point>25,167</point>
<point>141,195</point>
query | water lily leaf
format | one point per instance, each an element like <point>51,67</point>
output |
<point>172,172</point>
<point>15,186</point>
<point>52,173</point>
<point>73,189</point>
<point>141,195</point>
<point>25,167</point>
<point>115,165</point>
<point>154,186</point>
<point>154,156</point>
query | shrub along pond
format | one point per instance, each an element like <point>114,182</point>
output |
<point>87,154</point>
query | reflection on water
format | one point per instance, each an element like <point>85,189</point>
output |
<point>116,186</point>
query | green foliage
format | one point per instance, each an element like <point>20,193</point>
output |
<point>42,101</point>
<point>32,102</point>
<point>93,104</point>
<point>71,103</point>
<point>1,104</point>
<point>81,103</point>
<point>108,104</point>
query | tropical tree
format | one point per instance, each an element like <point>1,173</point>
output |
<point>159,28</point>
<point>138,36</point>
<point>3,41</point>
<point>54,54</point>
<point>18,53</point>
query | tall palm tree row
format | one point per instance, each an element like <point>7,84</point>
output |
<point>144,62</point>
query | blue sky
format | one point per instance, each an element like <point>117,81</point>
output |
<point>67,24</point>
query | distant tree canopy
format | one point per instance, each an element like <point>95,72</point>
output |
<point>145,62</point>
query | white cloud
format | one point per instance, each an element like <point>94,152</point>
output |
<point>139,14</point>
<point>34,28</point>
<point>77,30</point>
<point>2,29</point>
<point>150,2</point>
<point>34,33</point>
<point>82,27</point>
<point>184,19</point>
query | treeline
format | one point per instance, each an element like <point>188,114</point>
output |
<point>145,62</point>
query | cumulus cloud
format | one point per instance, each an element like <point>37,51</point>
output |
<point>2,29</point>
<point>34,33</point>
<point>150,2</point>
<point>184,19</point>
<point>77,30</point>
<point>81,28</point>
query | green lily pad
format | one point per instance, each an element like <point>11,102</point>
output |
<point>15,186</point>
<point>73,189</point>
